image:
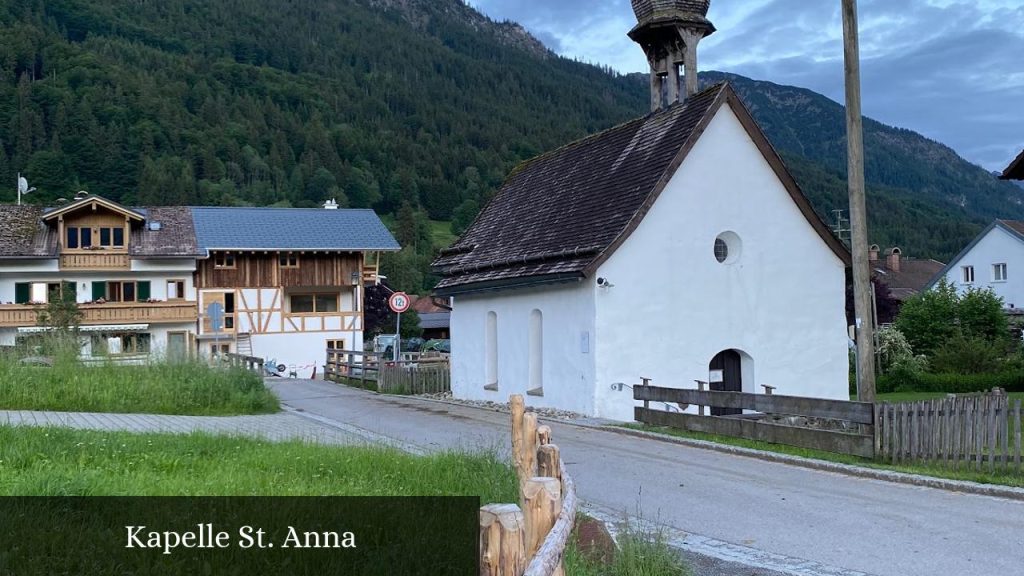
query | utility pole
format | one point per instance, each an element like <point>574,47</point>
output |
<point>858,210</point>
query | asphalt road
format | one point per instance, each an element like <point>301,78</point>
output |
<point>766,517</point>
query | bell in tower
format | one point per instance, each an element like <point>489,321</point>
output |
<point>669,31</point>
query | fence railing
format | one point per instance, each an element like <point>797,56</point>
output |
<point>415,374</point>
<point>979,430</point>
<point>529,539</point>
<point>248,362</point>
<point>838,426</point>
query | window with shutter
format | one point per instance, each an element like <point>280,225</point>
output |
<point>142,290</point>
<point>22,292</point>
<point>99,290</point>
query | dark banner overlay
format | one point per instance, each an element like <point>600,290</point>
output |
<point>216,536</point>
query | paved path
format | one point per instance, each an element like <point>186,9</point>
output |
<point>282,426</point>
<point>771,516</point>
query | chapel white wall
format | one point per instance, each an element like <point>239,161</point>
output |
<point>673,307</point>
<point>567,353</point>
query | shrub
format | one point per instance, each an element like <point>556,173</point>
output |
<point>968,355</point>
<point>937,316</point>
<point>895,352</point>
<point>905,381</point>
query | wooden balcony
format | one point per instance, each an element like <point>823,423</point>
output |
<point>98,260</point>
<point>18,315</point>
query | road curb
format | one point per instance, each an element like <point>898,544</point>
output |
<point>963,486</point>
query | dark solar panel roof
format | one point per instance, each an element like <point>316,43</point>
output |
<point>290,229</point>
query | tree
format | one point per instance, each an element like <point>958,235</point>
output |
<point>379,319</point>
<point>931,319</point>
<point>61,318</point>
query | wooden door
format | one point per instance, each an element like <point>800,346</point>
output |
<point>726,376</point>
<point>177,346</point>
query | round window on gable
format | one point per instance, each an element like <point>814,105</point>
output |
<point>727,248</point>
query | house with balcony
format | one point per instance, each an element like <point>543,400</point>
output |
<point>130,270</point>
<point>290,281</point>
<point>287,282</point>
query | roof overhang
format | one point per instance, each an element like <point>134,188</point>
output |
<point>508,284</point>
<point>96,328</point>
<point>1015,171</point>
<point>93,201</point>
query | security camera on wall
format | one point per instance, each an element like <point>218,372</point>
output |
<point>604,283</point>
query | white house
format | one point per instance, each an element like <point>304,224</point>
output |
<point>994,259</point>
<point>675,247</point>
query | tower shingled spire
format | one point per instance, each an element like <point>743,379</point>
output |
<point>669,31</point>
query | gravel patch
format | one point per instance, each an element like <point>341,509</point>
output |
<point>503,406</point>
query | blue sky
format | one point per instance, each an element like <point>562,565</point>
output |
<point>951,70</point>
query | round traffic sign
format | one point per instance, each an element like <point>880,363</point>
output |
<point>399,302</point>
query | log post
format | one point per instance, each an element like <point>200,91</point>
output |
<point>544,435</point>
<point>542,501</point>
<point>548,462</point>
<point>502,540</point>
<point>518,409</point>
<point>529,445</point>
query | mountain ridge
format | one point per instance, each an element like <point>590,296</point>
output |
<point>416,108</point>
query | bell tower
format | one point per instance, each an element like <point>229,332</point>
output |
<point>669,31</point>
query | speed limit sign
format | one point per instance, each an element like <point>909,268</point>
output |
<point>399,302</point>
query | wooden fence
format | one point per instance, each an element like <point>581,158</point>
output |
<point>852,433</point>
<point>529,539</point>
<point>415,374</point>
<point>248,362</point>
<point>979,430</point>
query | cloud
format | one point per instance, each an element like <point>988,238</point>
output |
<point>950,69</point>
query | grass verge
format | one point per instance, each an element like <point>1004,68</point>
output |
<point>156,388</point>
<point>65,462</point>
<point>1006,478</point>
<point>637,555</point>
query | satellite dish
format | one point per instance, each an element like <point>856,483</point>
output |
<point>22,185</point>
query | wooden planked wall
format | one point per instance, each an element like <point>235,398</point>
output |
<point>263,270</point>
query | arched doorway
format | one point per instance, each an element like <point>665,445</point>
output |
<point>725,373</point>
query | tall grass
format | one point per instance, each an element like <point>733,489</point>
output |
<point>156,387</point>
<point>638,554</point>
<point>64,462</point>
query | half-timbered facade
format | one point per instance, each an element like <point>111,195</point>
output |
<point>287,281</point>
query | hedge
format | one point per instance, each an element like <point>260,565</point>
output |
<point>903,381</point>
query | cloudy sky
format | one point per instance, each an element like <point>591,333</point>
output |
<point>951,70</point>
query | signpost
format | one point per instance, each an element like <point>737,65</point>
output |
<point>398,302</point>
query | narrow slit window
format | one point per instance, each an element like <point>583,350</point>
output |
<point>491,343</point>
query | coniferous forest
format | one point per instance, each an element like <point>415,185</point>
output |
<point>417,109</point>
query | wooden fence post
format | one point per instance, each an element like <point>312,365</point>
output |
<point>518,409</point>
<point>529,445</point>
<point>542,501</point>
<point>502,540</point>
<point>548,461</point>
<point>544,435</point>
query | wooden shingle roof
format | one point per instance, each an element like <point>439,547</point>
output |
<point>559,216</point>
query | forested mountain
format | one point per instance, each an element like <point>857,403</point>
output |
<point>417,108</point>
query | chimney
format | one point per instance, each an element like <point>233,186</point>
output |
<point>81,194</point>
<point>873,253</point>
<point>894,259</point>
<point>331,204</point>
<point>669,31</point>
